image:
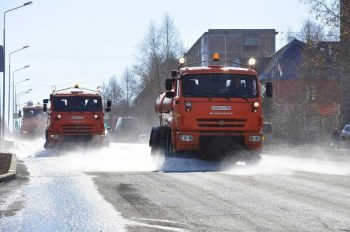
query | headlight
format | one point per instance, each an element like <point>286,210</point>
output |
<point>55,136</point>
<point>254,138</point>
<point>186,138</point>
<point>188,106</point>
<point>59,116</point>
<point>256,104</point>
<point>95,116</point>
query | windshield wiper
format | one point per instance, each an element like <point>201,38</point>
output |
<point>226,96</point>
<point>244,98</point>
<point>207,95</point>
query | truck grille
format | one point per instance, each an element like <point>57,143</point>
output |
<point>220,146</point>
<point>77,128</point>
<point>221,123</point>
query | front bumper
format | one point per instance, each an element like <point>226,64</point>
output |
<point>58,139</point>
<point>214,141</point>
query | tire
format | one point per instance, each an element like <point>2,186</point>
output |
<point>46,145</point>
<point>154,142</point>
<point>106,144</point>
<point>168,145</point>
<point>253,158</point>
<point>159,141</point>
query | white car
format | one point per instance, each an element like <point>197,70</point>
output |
<point>345,134</point>
<point>127,129</point>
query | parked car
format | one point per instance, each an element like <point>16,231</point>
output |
<point>267,132</point>
<point>127,129</point>
<point>345,135</point>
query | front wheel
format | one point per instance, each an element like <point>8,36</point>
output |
<point>159,141</point>
<point>253,158</point>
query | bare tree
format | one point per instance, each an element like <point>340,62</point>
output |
<point>170,44</point>
<point>160,45</point>
<point>298,119</point>
<point>112,91</point>
<point>158,55</point>
<point>326,11</point>
<point>335,14</point>
<point>149,55</point>
<point>311,32</point>
<point>129,86</point>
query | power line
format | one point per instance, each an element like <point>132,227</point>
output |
<point>76,57</point>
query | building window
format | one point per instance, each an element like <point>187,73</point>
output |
<point>251,41</point>
<point>310,93</point>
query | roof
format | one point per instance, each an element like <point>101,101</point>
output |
<point>33,107</point>
<point>243,31</point>
<point>232,31</point>
<point>76,91</point>
<point>291,52</point>
<point>217,69</point>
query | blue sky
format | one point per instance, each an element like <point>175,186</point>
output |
<point>88,41</point>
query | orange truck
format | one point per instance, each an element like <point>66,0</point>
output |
<point>76,115</point>
<point>33,120</point>
<point>212,112</point>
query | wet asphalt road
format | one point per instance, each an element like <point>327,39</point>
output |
<point>118,189</point>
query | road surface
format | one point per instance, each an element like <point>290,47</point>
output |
<point>122,189</point>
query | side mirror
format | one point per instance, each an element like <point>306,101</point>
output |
<point>109,104</point>
<point>168,84</point>
<point>268,87</point>
<point>45,101</point>
<point>108,109</point>
<point>45,107</point>
<point>173,73</point>
<point>169,94</point>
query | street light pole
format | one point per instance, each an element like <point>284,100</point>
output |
<point>15,101</point>
<point>4,71</point>
<point>13,94</point>
<point>9,100</point>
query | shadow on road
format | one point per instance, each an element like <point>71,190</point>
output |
<point>47,153</point>
<point>189,165</point>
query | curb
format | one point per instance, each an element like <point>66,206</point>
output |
<point>12,172</point>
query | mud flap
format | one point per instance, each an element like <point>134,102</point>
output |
<point>159,140</point>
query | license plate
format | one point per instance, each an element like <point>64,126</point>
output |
<point>221,108</point>
<point>77,117</point>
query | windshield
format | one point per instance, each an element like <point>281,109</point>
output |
<point>219,85</point>
<point>32,113</point>
<point>77,104</point>
<point>267,128</point>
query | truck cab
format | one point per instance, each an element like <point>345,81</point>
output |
<point>214,112</point>
<point>75,115</point>
<point>33,121</point>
